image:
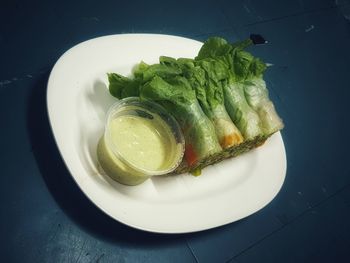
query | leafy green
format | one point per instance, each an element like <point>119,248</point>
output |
<point>246,96</point>
<point>206,78</point>
<point>216,74</point>
<point>258,98</point>
<point>237,61</point>
<point>246,119</point>
<point>255,91</point>
<point>122,87</point>
<point>210,95</point>
<point>178,97</point>
<point>145,72</point>
<point>214,47</point>
<point>176,90</point>
<point>164,83</point>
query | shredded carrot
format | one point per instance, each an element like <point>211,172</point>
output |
<point>230,140</point>
<point>190,155</point>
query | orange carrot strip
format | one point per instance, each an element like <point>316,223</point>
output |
<point>230,140</point>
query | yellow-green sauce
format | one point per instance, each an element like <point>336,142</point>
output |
<point>142,141</point>
<point>146,144</point>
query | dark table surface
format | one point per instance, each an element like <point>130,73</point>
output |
<point>46,218</point>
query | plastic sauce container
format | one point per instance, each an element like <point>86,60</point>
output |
<point>140,140</point>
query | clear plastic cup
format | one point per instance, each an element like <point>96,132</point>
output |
<point>141,140</point>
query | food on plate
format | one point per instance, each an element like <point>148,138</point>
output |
<point>175,93</point>
<point>206,79</point>
<point>219,99</point>
<point>246,80</point>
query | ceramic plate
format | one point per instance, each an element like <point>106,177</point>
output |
<point>77,101</point>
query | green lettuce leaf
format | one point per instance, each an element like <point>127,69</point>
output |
<point>216,74</point>
<point>257,94</point>
<point>178,97</point>
<point>165,84</point>
<point>145,72</point>
<point>206,78</point>
<point>258,98</point>
<point>122,87</point>
<point>214,47</point>
<point>237,62</point>
<point>245,118</point>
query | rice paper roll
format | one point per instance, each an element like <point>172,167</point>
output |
<point>206,79</point>
<point>177,96</point>
<point>246,95</point>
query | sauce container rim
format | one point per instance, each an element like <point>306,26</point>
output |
<point>153,108</point>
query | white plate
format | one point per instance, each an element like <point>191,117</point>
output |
<point>77,101</point>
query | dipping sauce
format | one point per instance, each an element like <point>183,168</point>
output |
<point>139,142</point>
<point>144,142</point>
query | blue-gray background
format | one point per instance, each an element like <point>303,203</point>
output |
<point>44,216</point>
